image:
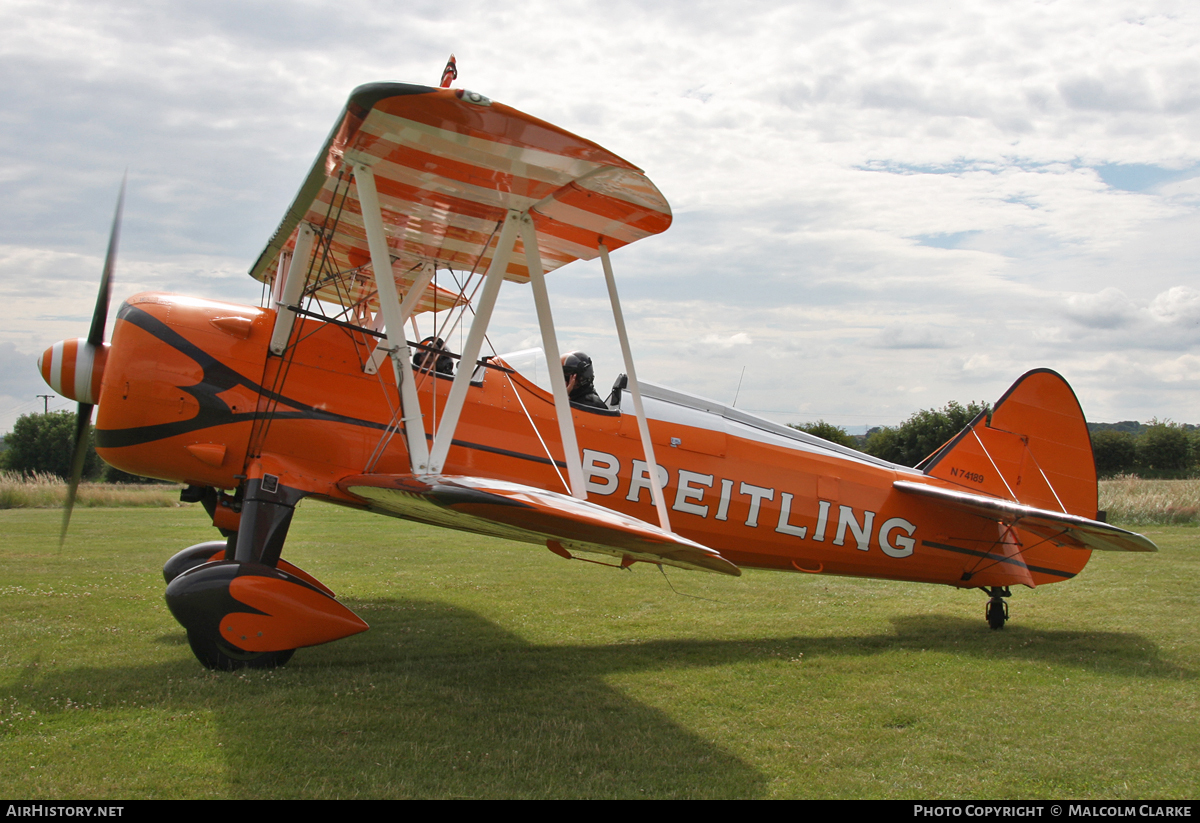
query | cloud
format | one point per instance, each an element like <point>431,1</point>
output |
<point>1125,91</point>
<point>906,337</point>
<point>1108,309</point>
<point>1185,368</point>
<point>20,385</point>
<point>713,341</point>
<point>862,189</point>
<point>1179,305</point>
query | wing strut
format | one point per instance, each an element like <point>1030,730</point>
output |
<point>406,309</point>
<point>293,287</point>
<point>389,305</point>
<point>470,352</point>
<point>635,390</point>
<point>516,224</point>
<point>562,403</point>
<point>423,459</point>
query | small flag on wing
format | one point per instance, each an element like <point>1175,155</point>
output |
<point>450,73</point>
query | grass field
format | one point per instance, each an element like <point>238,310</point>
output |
<point>499,670</point>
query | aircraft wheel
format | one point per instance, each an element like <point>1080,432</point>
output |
<point>997,613</point>
<point>191,557</point>
<point>219,657</point>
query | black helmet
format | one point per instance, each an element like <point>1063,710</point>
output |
<point>432,355</point>
<point>576,362</point>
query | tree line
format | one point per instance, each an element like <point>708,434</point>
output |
<point>1157,449</point>
<point>43,443</point>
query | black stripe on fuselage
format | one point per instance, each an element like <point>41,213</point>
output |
<point>998,558</point>
<point>217,378</point>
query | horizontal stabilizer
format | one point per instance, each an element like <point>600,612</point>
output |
<point>1056,527</point>
<point>516,512</point>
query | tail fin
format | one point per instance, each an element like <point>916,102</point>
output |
<point>1036,450</point>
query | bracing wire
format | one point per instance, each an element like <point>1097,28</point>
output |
<point>671,586</point>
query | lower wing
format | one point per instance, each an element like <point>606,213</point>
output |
<point>516,512</point>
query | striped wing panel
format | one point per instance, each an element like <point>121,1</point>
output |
<point>448,165</point>
<point>517,512</point>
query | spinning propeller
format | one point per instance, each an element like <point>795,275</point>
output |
<point>73,368</point>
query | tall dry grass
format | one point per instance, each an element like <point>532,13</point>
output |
<point>1132,501</point>
<point>1128,500</point>
<point>47,491</point>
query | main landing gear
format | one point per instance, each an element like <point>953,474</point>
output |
<point>241,605</point>
<point>996,610</point>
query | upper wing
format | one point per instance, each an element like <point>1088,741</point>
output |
<point>448,166</point>
<point>516,512</point>
<point>1057,527</point>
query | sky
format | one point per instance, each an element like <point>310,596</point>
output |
<point>879,206</point>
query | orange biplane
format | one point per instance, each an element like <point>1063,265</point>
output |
<point>319,393</point>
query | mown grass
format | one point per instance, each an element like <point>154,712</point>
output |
<point>495,669</point>
<point>40,491</point>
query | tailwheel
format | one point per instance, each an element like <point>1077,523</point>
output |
<point>996,610</point>
<point>215,655</point>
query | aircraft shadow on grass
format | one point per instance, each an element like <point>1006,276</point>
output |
<point>437,701</point>
<point>434,702</point>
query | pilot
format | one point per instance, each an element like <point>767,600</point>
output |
<point>577,369</point>
<point>432,354</point>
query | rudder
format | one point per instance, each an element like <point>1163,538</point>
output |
<point>1036,450</point>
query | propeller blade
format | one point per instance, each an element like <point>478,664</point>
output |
<point>100,315</point>
<point>83,415</point>
<point>83,419</point>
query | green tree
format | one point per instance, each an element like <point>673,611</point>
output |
<point>923,433</point>
<point>1115,452</point>
<point>1132,427</point>
<point>1164,449</point>
<point>826,431</point>
<point>44,443</point>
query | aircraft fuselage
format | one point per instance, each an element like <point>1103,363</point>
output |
<point>189,394</point>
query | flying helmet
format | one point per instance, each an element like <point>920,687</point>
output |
<point>578,363</point>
